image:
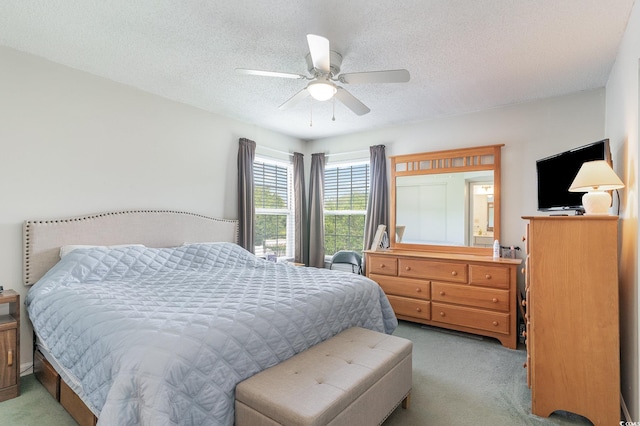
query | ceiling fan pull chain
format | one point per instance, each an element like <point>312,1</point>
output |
<point>333,100</point>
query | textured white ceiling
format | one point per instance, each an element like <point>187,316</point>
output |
<point>463,55</point>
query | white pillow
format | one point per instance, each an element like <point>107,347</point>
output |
<point>65,250</point>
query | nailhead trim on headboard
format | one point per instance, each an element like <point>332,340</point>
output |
<point>29,224</point>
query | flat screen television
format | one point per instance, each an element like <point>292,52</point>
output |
<point>556,173</point>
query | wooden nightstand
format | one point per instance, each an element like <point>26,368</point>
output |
<point>10,346</point>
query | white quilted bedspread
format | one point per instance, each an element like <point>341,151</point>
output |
<point>162,336</point>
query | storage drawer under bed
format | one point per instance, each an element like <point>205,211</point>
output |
<point>51,381</point>
<point>46,375</point>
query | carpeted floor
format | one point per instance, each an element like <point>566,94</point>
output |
<point>458,379</point>
<point>462,379</point>
<point>34,407</point>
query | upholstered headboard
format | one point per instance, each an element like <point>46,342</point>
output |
<point>153,228</point>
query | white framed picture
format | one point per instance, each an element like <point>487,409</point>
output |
<point>377,239</point>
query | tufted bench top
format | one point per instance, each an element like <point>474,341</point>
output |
<point>316,385</point>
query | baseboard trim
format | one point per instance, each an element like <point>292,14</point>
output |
<point>26,369</point>
<point>625,410</point>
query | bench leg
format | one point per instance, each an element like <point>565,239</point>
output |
<point>406,402</point>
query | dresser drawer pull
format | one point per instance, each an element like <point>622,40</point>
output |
<point>494,300</point>
<point>442,293</point>
<point>418,309</point>
<point>418,290</point>
<point>454,273</point>
<point>441,313</point>
<point>407,268</point>
<point>382,265</point>
<point>495,323</point>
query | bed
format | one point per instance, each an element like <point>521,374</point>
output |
<point>158,317</point>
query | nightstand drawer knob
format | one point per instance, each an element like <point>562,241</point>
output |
<point>10,358</point>
<point>418,310</point>
<point>494,300</point>
<point>495,323</point>
<point>488,276</point>
<point>418,290</point>
<point>441,313</point>
<point>454,273</point>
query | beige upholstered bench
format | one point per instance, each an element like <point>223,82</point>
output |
<point>357,377</point>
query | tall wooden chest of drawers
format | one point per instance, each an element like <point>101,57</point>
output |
<point>573,351</point>
<point>475,294</point>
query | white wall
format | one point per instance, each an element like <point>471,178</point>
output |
<point>72,144</point>
<point>529,131</point>
<point>622,115</point>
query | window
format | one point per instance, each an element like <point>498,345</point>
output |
<point>273,197</point>
<point>346,189</point>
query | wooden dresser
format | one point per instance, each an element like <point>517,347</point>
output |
<point>573,350</point>
<point>470,293</point>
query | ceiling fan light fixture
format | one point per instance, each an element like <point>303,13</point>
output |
<point>322,90</point>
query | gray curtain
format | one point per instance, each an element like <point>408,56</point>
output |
<point>316,214</point>
<point>300,210</point>
<point>378,204</point>
<point>246,206</point>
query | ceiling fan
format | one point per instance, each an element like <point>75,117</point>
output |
<point>324,67</point>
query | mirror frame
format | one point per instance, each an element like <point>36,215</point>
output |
<point>449,161</point>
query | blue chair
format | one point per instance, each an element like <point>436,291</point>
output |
<point>348,257</point>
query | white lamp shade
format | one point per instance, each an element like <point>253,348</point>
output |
<point>321,90</point>
<point>594,178</point>
<point>595,175</point>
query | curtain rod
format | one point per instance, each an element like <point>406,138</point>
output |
<point>362,151</point>
<point>274,150</point>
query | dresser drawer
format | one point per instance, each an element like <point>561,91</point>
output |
<point>411,307</point>
<point>488,298</point>
<point>489,276</point>
<point>471,317</point>
<point>445,271</point>
<point>403,286</point>
<point>382,265</point>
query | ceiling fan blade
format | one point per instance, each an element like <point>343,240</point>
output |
<point>269,73</point>
<point>391,76</point>
<point>320,52</point>
<point>351,102</point>
<point>295,99</point>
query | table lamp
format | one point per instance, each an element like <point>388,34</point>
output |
<point>595,178</point>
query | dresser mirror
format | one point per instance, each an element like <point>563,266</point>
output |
<point>447,201</point>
